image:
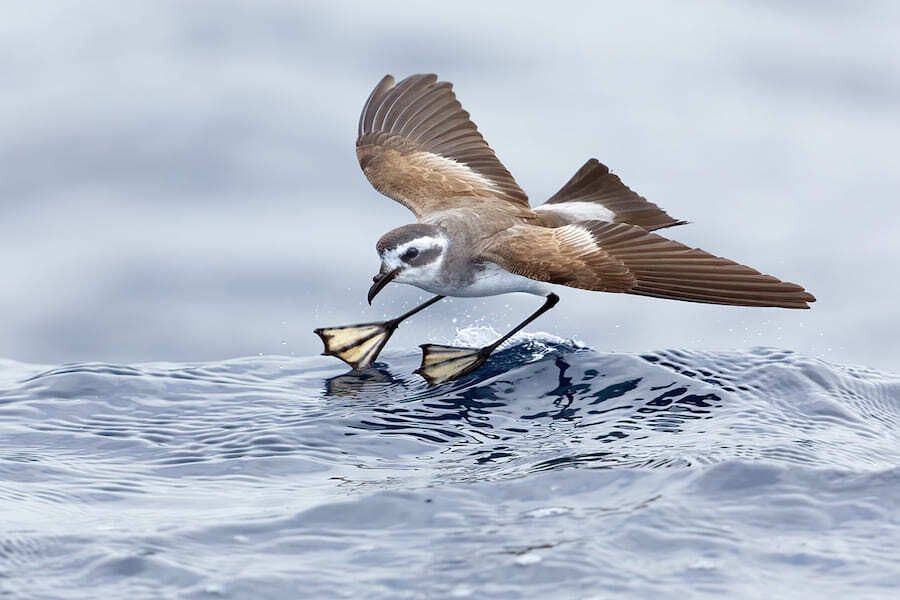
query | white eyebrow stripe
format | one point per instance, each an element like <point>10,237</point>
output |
<point>424,241</point>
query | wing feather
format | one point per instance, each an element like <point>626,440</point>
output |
<point>418,146</point>
<point>617,257</point>
<point>594,192</point>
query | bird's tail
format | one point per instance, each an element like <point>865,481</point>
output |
<point>594,192</point>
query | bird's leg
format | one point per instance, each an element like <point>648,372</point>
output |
<point>359,345</point>
<point>443,363</point>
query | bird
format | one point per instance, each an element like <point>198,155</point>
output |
<point>476,233</point>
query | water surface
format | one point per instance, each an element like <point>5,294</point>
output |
<point>555,471</point>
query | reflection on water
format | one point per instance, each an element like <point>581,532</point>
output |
<point>592,403</point>
<point>551,470</point>
<point>353,383</point>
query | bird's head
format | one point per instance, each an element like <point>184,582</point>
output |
<point>410,254</point>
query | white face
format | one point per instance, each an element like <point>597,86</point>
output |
<point>419,260</point>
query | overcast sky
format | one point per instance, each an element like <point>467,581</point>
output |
<point>178,180</point>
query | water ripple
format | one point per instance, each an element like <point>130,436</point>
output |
<point>553,470</point>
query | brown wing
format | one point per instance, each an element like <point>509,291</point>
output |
<point>418,146</point>
<point>594,193</point>
<point>625,258</point>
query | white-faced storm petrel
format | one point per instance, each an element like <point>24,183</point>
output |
<point>477,235</point>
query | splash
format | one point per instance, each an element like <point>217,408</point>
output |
<point>482,335</point>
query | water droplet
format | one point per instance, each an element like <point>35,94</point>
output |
<point>461,592</point>
<point>549,511</point>
<point>529,558</point>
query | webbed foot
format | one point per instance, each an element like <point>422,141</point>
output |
<point>357,345</point>
<point>443,363</point>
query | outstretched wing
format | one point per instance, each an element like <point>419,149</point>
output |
<point>418,146</point>
<point>595,193</point>
<point>617,257</point>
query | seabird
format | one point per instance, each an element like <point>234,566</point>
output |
<point>477,235</point>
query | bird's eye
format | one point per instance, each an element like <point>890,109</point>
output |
<point>410,254</point>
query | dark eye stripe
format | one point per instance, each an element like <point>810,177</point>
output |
<point>424,257</point>
<point>410,254</point>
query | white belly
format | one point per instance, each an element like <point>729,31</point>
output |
<point>491,281</point>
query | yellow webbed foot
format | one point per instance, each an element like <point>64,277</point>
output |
<point>356,345</point>
<point>443,363</point>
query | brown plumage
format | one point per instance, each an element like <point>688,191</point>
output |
<point>418,146</point>
<point>594,183</point>
<point>611,257</point>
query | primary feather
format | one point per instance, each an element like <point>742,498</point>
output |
<point>418,146</point>
<point>617,257</point>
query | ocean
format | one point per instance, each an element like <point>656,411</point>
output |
<point>555,471</point>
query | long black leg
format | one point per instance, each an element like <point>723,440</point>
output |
<point>550,302</point>
<point>359,345</point>
<point>443,363</point>
<point>418,308</point>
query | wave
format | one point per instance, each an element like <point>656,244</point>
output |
<point>554,469</point>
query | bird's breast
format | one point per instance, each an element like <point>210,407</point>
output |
<point>486,279</point>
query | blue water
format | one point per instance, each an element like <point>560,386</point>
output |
<point>554,472</point>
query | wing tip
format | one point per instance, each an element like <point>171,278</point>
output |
<point>594,163</point>
<point>673,223</point>
<point>430,77</point>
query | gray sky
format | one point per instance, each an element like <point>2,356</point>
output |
<point>178,180</point>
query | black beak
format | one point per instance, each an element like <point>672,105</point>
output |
<point>381,280</point>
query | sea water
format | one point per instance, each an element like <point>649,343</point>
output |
<point>555,471</point>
